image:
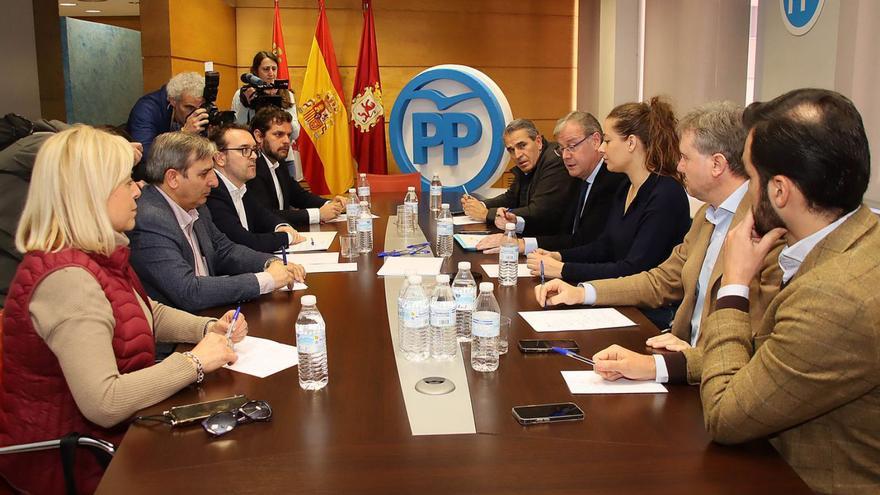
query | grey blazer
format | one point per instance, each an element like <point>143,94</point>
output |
<point>163,259</point>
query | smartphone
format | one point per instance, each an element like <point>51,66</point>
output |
<point>539,345</point>
<point>547,413</point>
<point>190,413</point>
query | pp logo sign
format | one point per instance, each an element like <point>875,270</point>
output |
<point>449,120</point>
<point>799,16</point>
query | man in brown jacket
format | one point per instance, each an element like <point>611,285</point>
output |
<point>711,146</point>
<point>809,379</point>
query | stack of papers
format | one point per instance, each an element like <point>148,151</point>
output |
<point>588,382</point>
<point>566,320</point>
<point>406,265</point>
<point>522,270</point>
<point>315,241</point>
<point>263,357</point>
<point>468,242</point>
<point>465,220</point>
<point>320,262</point>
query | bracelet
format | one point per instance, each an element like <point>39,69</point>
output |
<point>200,372</point>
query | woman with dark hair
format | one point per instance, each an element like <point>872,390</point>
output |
<point>650,214</point>
<point>264,66</point>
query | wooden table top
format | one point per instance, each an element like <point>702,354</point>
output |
<point>354,437</point>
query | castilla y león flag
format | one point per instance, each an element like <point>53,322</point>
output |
<point>367,111</point>
<point>278,45</point>
<point>324,143</point>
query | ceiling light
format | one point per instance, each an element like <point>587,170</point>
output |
<point>67,4</point>
<point>93,11</point>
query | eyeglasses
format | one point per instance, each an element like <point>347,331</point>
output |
<point>246,151</point>
<point>562,149</point>
<point>223,422</point>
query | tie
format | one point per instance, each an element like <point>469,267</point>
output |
<point>580,206</point>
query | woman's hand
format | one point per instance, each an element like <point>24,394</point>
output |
<point>220,326</point>
<point>213,352</point>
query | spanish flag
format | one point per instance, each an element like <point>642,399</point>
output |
<point>324,142</point>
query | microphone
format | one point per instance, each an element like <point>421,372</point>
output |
<point>254,81</point>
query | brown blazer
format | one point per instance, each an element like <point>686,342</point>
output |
<point>809,377</point>
<point>675,280</point>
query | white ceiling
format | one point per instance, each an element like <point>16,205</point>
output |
<point>107,8</point>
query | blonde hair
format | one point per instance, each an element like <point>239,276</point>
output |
<point>74,174</point>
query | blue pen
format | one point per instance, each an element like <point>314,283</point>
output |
<point>465,190</point>
<point>542,282</point>
<point>284,255</point>
<point>573,355</point>
<point>232,326</point>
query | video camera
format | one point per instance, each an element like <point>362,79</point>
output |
<point>261,99</point>
<point>215,116</point>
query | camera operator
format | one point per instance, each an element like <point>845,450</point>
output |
<point>176,106</point>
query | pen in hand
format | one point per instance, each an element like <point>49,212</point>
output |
<point>542,282</point>
<point>573,355</point>
<point>231,328</point>
<point>284,259</point>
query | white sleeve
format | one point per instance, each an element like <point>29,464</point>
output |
<point>241,113</point>
<point>292,112</point>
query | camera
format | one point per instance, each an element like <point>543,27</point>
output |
<point>215,116</point>
<point>260,98</point>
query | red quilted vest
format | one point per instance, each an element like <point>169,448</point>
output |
<point>35,402</point>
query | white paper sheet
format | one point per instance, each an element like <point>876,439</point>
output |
<point>588,382</point>
<point>331,268</point>
<point>344,218</point>
<point>468,241</point>
<point>315,241</point>
<point>522,270</point>
<point>312,258</point>
<point>296,286</point>
<point>564,320</point>
<point>465,220</point>
<point>263,357</point>
<point>402,265</point>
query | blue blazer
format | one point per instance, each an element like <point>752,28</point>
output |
<point>162,258</point>
<point>149,117</point>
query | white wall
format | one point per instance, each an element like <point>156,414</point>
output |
<point>19,88</point>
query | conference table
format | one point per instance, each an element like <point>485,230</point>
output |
<point>354,435</point>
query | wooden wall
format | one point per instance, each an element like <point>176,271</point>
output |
<point>526,46</point>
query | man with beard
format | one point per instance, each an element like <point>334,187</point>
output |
<point>273,187</point>
<point>541,191</point>
<point>808,376</point>
<point>711,165</point>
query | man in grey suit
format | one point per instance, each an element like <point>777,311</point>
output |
<point>180,256</point>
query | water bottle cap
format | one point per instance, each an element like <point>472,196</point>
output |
<point>464,265</point>
<point>509,226</point>
<point>486,286</point>
<point>308,300</point>
<point>437,176</point>
<point>414,279</point>
<point>363,203</point>
<point>444,206</point>
<point>351,191</point>
<point>364,175</point>
<point>442,278</point>
<point>411,188</point>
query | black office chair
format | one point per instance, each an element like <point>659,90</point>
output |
<point>101,449</point>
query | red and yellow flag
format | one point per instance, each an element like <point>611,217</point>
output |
<point>278,45</point>
<point>367,110</point>
<point>324,143</point>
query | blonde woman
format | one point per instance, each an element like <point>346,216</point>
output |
<point>79,331</point>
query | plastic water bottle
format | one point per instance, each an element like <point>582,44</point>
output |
<point>365,229</point>
<point>411,201</point>
<point>508,256</point>
<point>436,193</point>
<point>444,232</point>
<point>400,306</point>
<point>464,288</point>
<point>352,211</point>
<point>443,341</point>
<point>485,327</point>
<point>364,189</point>
<point>311,345</point>
<point>415,343</point>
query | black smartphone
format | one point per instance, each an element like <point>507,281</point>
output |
<point>547,413</point>
<point>541,345</point>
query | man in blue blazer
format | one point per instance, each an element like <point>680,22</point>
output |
<point>180,256</point>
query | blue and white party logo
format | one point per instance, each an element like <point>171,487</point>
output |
<point>449,120</point>
<point>799,16</point>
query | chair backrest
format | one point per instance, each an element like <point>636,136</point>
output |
<point>394,182</point>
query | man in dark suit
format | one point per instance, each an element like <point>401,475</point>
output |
<point>540,191</point>
<point>273,187</point>
<point>178,253</point>
<point>587,212</point>
<point>244,220</point>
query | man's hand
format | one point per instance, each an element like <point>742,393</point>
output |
<point>293,236</point>
<point>280,274</point>
<point>341,201</point>
<point>667,341</point>
<point>744,251</point>
<point>503,216</point>
<point>196,121</point>
<point>491,244</point>
<point>552,264</point>
<point>330,210</point>
<point>616,362</point>
<point>558,292</point>
<point>298,272</point>
<point>138,150</point>
<point>474,208</point>
<point>222,325</point>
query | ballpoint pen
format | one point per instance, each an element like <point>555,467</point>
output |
<point>573,355</point>
<point>231,327</point>
<point>542,282</point>
<point>465,191</point>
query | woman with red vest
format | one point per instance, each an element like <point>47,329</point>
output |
<point>79,330</point>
